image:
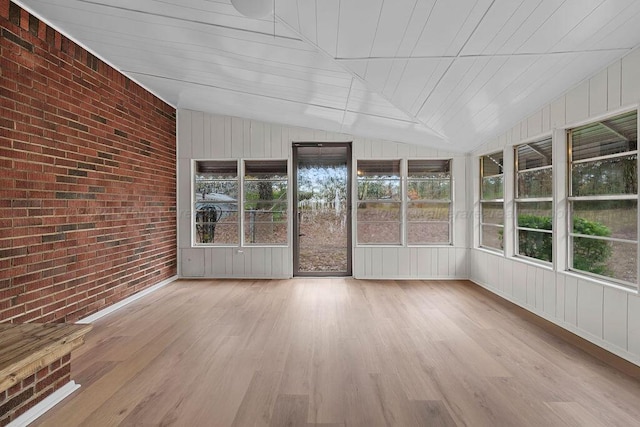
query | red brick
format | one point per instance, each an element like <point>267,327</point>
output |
<point>60,115</point>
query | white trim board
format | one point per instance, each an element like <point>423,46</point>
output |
<point>47,403</point>
<point>110,309</point>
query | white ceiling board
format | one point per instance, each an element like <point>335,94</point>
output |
<point>378,72</point>
<point>621,31</point>
<point>328,13</point>
<point>608,15</point>
<point>431,82</point>
<point>420,16</point>
<point>393,130</point>
<point>307,20</point>
<point>287,11</point>
<point>394,22</point>
<point>542,81</point>
<point>450,25</point>
<point>500,23</point>
<point>357,27</point>
<point>533,20</point>
<point>253,107</point>
<point>418,71</point>
<point>569,15</point>
<point>363,100</point>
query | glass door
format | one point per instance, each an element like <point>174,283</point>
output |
<point>322,217</point>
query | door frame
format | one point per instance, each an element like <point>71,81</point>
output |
<point>296,224</point>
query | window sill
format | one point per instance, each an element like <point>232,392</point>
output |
<point>599,281</point>
<point>533,262</point>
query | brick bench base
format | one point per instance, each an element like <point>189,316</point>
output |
<point>33,389</point>
<point>35,361</point>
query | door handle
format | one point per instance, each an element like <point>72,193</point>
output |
<point>301,234</point>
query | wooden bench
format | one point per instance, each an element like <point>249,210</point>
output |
<point>35,361</point>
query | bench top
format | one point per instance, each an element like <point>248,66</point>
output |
<point>28,347</point>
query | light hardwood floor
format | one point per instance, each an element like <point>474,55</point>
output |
<point>339,352</point>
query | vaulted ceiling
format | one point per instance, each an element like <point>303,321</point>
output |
<point>442,73</point>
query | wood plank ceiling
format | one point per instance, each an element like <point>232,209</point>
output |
<point>442,73</point>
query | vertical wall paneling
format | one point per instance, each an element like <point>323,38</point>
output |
<point>614,85</point>
<point>558,113</point>
<point>202,136</point>
<point>630,87</point>
<point>614,320</point>
<point>577,103</point>
<point>606,315</point>
<point>589,307</point>
<point>633,325</point>
<point>549,293</point>
<point>598,90</point>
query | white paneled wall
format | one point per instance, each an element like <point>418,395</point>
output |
<point>207,136</point>
<point>604,314</point>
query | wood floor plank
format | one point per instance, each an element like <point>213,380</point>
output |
<point>339,352</point>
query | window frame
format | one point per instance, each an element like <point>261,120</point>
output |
<point>517,200</point>
<point>400,202</point>
<point>243,182</point>
<point>571,199</point>
<point>194,210</point>
<point>449,202</point>
<point>482,201</point>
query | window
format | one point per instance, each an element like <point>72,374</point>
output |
<point>379,208</point>
<point>603,198</point>
<point>265,202</point>
<point>215,202</point>
<point>428,201</point>
<point>534,200</point>
<point>491,200</point>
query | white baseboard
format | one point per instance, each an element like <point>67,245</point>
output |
<point>108,310</point>
<point>47,403</point>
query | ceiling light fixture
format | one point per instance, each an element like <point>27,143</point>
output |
<point>253,8</point>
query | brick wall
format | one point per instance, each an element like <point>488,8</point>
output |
<point>30,391</point>
<point>87,178</point>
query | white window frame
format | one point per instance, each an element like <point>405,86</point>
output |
<point>523,200</point>
<point>570,199</point>
<point>498,200</point>
<point>448,202</point>
<point>239,208</point>
<point>401,202</point>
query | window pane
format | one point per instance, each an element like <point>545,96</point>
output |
<point>379,232</point>
<point>534,154</point>
<point>265,202</point>
<point>492,188</point>
<point>379,168</point>
<point>492,213</point>
<point>611,136</point>
<point>216,202</point>
<point>265,169</point>
<point>491,237</point>
<point>492,164</point>
<point>437,187</point>
<point>427,232</point>
<point>216,226</point>
<point>609,218</point>
<point>418,211</point>
<point>428,168</point>
<point>535,183</point>
<point>258,193</point>
<point>535,244</point>
<point>379,212</point>
<point>617,260</point>
<point>535,215</point>
<point>609,176</point>
<point>378,189</point>
<point>265,227</point>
